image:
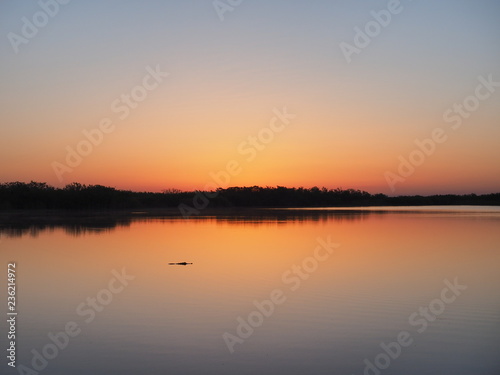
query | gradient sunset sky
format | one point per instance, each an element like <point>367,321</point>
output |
<point>228,77</point>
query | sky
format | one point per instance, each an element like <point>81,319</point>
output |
<point>393,97</point>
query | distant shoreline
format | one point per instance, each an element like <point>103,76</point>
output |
<point>37,196</point>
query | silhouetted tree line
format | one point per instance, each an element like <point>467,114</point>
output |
<point>39,195</point>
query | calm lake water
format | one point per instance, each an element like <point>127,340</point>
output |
<point>389,291</point>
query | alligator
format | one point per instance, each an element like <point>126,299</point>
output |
<point>180,264</point>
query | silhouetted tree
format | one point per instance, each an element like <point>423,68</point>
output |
<point>39,195</point>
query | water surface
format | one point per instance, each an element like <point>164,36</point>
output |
<point>334,312</point>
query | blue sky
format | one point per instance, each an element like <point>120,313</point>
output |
<point>354,119</point>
